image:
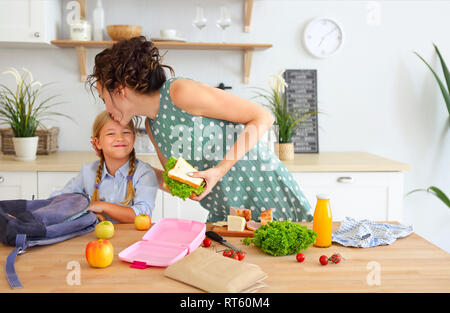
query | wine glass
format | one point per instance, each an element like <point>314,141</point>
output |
<point>200,21</point>
<point>224,21</point>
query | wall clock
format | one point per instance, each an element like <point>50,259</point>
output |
<point>323,37</point>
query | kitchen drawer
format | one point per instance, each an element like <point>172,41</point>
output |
<point>51,181</point>
<point>18,185</point>
<point>361,195</point>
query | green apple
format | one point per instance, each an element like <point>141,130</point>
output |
<point>104,230</point>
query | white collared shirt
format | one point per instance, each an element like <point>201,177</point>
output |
<point>113,189</point>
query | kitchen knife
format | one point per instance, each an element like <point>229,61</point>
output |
<point>216,237</point>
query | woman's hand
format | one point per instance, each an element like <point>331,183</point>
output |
<point>211,177</point>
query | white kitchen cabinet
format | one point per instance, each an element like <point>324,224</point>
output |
<point>18,185</point>
<point>362,195</point>
<point>29,22</point>
<point>188,209</point>
<point>360,185</point>
<point>157,213</point>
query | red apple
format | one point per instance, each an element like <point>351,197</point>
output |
<point>99,253</point>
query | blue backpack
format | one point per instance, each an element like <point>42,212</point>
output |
<point>27,223</point>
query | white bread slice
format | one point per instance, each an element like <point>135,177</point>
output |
<point>180,170</point>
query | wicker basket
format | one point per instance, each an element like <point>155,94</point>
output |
<point>284,151</point>
<point>48,140</point>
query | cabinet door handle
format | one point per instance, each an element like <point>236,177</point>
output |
<point>2,179</point>
<point>345,180</point>
<point>37,34</point>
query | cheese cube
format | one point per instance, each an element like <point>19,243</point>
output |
<point>236,223</point>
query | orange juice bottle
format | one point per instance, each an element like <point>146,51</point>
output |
<point>322,221</point>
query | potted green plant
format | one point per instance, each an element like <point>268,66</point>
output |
<point>24,111</point>
<point>445,90</point>
<point>286,121</point>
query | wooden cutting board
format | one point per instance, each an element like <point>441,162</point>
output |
<point>223,231</point>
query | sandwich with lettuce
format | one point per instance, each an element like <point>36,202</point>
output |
<point>179,183</point>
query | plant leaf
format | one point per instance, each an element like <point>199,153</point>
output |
<point>444,67</point>
<point>304,117</point>
<point>434,191</point>
<point>445,93</point>
<point>440,194</point>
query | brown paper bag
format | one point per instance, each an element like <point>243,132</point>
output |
<point>212,272</point>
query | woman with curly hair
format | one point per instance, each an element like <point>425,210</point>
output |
<point>217,132</point>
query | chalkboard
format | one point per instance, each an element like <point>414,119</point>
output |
<point>301,97</point>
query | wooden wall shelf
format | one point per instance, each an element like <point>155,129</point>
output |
<point>248,9</point>
<point>246,48</point>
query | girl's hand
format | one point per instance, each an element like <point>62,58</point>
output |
<point>211,177</point>
<point>100,217</point>
<point>96,207</point>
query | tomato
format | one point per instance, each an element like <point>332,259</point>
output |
<point>323,260</point>
<point>335,258</point>
<point>235,256</point>
<point>206,242</point>
<point>241,255</point>
<point>227,253</point>
<point>99,253</point>
<point>300,257</point>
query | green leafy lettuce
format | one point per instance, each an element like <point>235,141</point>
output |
<point>177,188</point>
<point>282,238</point>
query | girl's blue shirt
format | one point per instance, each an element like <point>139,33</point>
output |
<point>113,189</point>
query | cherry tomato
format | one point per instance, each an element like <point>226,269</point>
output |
<point>227,253</point>
<point>241,255</point>
<point>206,242</point>
<point>335,258</point>
<point>235,256</point>
<point>300,257</point>
<point>323,260</point>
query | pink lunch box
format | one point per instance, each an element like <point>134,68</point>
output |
<point>166,242</point>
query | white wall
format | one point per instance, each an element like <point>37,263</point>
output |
<point>376,95</point>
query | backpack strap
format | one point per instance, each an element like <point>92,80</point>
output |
<point>11,274</point>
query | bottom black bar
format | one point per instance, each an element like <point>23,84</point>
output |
<point>218,302</point>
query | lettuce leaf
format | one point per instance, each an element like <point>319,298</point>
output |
<point>282,238</point>
<point>177,188</point>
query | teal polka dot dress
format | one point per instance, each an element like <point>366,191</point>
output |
<point>259,181</point>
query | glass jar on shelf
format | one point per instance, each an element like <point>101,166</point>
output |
<point>80,30</point>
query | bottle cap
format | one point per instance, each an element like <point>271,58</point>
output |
<point>323,196</point>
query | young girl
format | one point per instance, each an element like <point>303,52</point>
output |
<point>120,185</point>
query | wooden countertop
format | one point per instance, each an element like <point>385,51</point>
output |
<point>69,161</point>
<point>410,264</point>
